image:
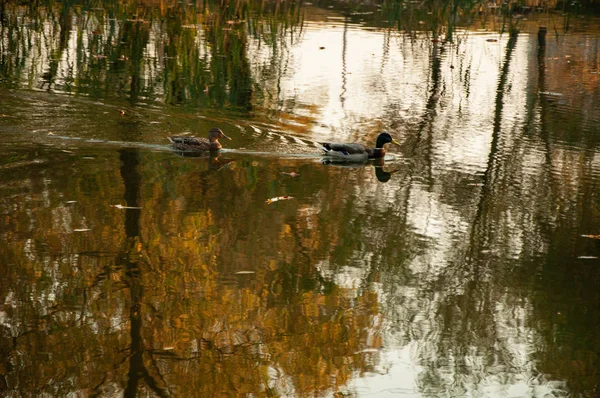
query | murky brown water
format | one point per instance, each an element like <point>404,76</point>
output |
<point>464,264</point>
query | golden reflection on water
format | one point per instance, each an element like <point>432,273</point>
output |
<point>217,283</point>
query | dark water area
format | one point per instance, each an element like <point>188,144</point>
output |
<point>464,263</point>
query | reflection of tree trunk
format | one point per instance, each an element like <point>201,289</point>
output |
<point>543,103</point>
<point>65,27</point>
<point>229,63</point>
<point>241,79</point>
<point>135,36</point>
<point>492,170</point>
<point>131,180</point>
<point>428,117</point>
<point>344,70</point>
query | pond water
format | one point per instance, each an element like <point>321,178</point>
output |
<point>465,263</point>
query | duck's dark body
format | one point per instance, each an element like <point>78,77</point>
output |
<point>358,152</point>
<point>195,144</point>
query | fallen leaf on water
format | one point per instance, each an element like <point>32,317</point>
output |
<point>269,201</point>
<point>551,93</point>
<point>124,207</point>
<point>591,236</point>
<point>51,133</point>
<point>81,230</point>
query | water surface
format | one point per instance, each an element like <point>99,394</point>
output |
<point>463,264</point>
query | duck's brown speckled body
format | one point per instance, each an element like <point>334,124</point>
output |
<point>195,144</point>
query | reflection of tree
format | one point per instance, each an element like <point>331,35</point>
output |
<point>131,262</point>
<point>281,315</point>
<point>229,60</point>
<point>178,54</point>
<point>467,317</point>
<point>569,333</point>
<point>158,289</point>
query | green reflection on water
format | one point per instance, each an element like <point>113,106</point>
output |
<point>193,55</point>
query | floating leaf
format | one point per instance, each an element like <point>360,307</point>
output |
<point>551,93</point>
<point>269,201</point>
<point>591,236</point>
<point>124,207</point>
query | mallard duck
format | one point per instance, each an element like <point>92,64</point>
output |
<point>196,144</point>
<point>359,152</point>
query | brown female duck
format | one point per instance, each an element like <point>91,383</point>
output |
<point>196,144</point>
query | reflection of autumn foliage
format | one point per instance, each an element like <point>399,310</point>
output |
<point>232,302</point>
<point>236,298</point>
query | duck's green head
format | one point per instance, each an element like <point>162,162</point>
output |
<point>385,138</point>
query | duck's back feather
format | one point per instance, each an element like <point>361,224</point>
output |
<point>352,152</point>
<point>188,140</point>
<point>347,149</point>
<point>194,144</point>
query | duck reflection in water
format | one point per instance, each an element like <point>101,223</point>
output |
<point>381,174</point>
<point>214,159</point>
